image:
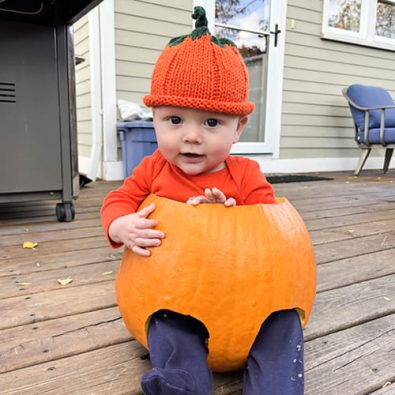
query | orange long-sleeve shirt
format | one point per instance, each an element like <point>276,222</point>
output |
<point>240,179</point>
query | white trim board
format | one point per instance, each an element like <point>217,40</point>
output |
<point>108,81</point>
<point>109,171</point>
<point>103,88</point>
<point>85,165</point>
<point>113,171</point>
<point>275,77</point>
<point>96,95</point>
<point>269,165</point>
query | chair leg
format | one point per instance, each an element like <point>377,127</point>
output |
<point>364,155</point>
<point>387,160</point>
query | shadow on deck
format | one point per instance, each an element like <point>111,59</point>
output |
<point>69,339</point>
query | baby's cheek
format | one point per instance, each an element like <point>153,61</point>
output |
<point>167,149</point>
<point>220,152</point>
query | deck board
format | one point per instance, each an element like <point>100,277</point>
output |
<point>348,306</point>
<point>47,280</point>
<point>70,339</point>
<point>344,360</point>
<point>59,338</point>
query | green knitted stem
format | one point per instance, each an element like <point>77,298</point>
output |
<point>199,13</point>
<point>201,29</point>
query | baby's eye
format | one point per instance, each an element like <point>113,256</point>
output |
<point>212,122</point>
<point>175,120</point>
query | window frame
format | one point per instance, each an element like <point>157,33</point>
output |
<point>367,30</point>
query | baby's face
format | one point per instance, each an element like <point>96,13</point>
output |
<point>196,141</point>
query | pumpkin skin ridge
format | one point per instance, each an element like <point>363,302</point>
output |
<point>302,227</point>
<point>137,303</point>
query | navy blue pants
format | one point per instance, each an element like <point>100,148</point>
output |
<point>178,354</point>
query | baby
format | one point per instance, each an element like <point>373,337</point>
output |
<point>199,95</point>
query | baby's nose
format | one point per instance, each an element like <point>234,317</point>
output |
<point>193,135</point>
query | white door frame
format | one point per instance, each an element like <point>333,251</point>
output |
<point>103,159</point>
<point>274,82</point>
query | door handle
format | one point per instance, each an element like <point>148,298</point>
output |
<point>276,33</point>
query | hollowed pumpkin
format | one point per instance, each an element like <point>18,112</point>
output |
<point>230,268</point>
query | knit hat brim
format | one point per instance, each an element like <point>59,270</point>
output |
<point>230,108</point>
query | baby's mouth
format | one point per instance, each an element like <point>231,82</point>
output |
<point>191,155</point>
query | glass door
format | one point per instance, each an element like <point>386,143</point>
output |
<point>256,27</point>
<point>247,24</point>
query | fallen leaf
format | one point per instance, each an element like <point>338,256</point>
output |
<point>30,244</point>
<point>387,298</point>
<point>107,273</point>
<point>65,281</point>
<point>383,242</point>
<point>23,284</point>
<point>113,256</point>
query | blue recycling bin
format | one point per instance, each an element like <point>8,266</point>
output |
<point>138,140</point>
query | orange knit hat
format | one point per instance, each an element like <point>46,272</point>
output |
<point>201,71</point>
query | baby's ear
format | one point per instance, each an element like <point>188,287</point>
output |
<point>243,120</point>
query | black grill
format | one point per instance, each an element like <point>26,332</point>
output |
<point>7,92</point>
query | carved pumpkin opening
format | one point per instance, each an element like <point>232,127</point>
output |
<point>302,315</point>
<point>198,326</point>
<point>193,322</point>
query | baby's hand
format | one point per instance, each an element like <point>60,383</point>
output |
<point>212,196</point>
<point>134,231</point>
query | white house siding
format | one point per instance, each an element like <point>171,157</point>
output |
<point>316,121</point>
<point>142,30</point>
<point>83,87</point>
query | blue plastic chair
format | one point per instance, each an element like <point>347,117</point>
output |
<point>373,112</point>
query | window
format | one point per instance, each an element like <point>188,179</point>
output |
<point>364,22</point>
<point>385,19</point>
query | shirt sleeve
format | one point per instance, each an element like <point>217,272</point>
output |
<point>127,198</point>
<point>254,188</point>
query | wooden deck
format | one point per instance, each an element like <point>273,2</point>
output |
<point>70,339</point>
